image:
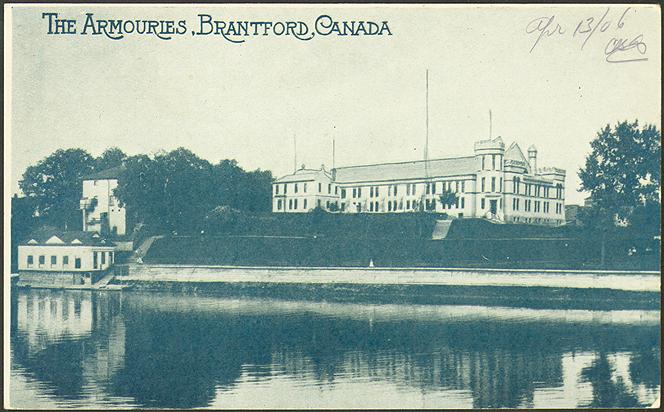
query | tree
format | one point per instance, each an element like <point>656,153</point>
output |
<point>54,185</point>
<point>111,157</point>
<point>622,172</point>
<point>448,198</point>
<point>173,191</point>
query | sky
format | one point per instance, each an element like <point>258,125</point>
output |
<point>249,101</point>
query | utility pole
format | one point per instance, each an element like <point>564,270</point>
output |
<point>333,152</point>
<point>426,143</point>
<point>294,153</point>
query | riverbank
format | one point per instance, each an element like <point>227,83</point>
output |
<point>636,281</point>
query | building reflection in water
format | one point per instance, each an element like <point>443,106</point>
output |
<point>147,350</point>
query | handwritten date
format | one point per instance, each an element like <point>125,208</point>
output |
<point>618,49</point>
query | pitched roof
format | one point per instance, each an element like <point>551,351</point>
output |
<point>50,236</point>
<point>112,173</point>
<point>452,166</point>
<point>305,175</point>
<point>514,152</point>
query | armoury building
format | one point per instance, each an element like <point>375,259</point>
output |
<point>494,183</point>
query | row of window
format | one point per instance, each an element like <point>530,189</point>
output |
<point>538,206</point>
<point>496,162</point>
<point>411,189</point>
<point>536,190</point>
<point>98,258</point>
<point>54,261</point>
<point>394,205</point>
<point>293,204</point>
<point>296,188</point>
<point>493,185</point>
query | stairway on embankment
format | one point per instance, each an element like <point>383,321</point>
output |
<point>440,229</point>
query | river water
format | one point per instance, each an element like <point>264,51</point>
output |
<point>157,350</point>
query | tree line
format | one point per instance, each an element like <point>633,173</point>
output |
<point>168,191</point>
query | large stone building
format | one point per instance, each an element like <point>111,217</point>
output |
<point>101,210</point>
<point>495,183</point>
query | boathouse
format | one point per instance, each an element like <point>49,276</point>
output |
<point>66,258</point>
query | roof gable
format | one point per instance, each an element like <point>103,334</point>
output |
<point>51,236</point>
<point>54,240</point>
<point>514,153</point>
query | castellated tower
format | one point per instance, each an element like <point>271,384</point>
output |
<point>532,159</point>
<point>489,156</point>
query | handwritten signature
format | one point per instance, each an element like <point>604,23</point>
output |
<point>619,49</point>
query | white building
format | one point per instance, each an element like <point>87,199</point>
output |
<point>494,182</point>
<point>101,210</point>
<point>49,254</point>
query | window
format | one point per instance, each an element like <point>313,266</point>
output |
<point>515,189</point>
<point>276,189</point>
<point>463,186</point>
<point>359,192</point>
<point>336,190</point>
<point>493,162</point>
<point>305,204</point>
<point>343,207</point>
<point>285,188</point>
<point>77,263</point>
<point>94,260</point>
<point>376,191</point>
<point>54,260</point>
<point>295,204</point>
<point>42,260</point>
<point>103,258</point>
<point>343,193</point>
<point>407,190</point>
<point>279,204</point>
<point>371,207</point>
<point>395,190</point>
<point>320,187</point>
<point>493,184</point>
<point>329,188</point>
<point>31,260</point>
<point>463,202</point>
<point>483,181</point>
<point>456,187</point>
<point>482,162</point>
<point>295,187</point>
<point>482,203</point>
<point>371,191</point>
<point>407,204</point>
<point>500,185</point>
<point>305,188</point>
<point>290,204</point>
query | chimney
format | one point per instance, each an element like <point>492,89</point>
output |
<point>532,159</point>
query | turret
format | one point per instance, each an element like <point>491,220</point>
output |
<point>532,159</point>
<point>490,153</point>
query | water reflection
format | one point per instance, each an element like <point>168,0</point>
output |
<point>74,349</point>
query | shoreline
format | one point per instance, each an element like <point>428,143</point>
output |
<point>636,281</point>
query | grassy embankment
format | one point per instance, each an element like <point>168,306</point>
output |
<point>401,241</point>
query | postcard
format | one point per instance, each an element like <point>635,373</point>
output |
<point>314,206</point>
